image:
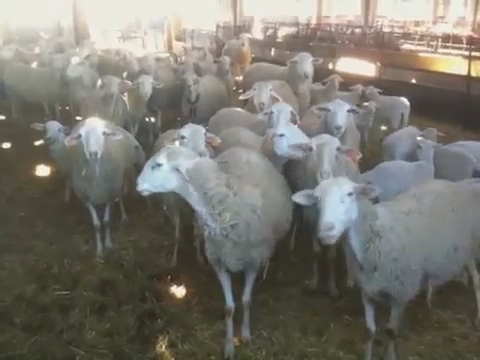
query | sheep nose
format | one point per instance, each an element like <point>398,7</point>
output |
<point>337,127</point>
<point>324,174</point>
<point>261,105</point>
<point>328,228</point>
<point>93,155</point>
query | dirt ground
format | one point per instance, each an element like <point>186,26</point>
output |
<point>58,303</point>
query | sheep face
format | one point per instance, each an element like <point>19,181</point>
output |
<point>166,171</point>
<point>196,138</point>
<point>327,151</point>
<point>289,141</point>
<point>54,131</point>
<point>337,113</point>
<point>224,65</point>
<point>263,95</point>
<point>337,202</point>
<point>145,84</point>
<point>301,67</point>
<point>92,134</point>
<point>280,113</point>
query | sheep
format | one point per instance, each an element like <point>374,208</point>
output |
<point>427,235</point>
<point>281,143</point>
<point>394,108</point>
<point>264,93</point>
<point>203,97</point>
<point>240,52</point>
<point>41,85</point>
<point>364,121</point>
<point>280,112</point>
<point>397,176</point>
<point>298,74</point>
<point>244,208</point>
<point>402,144</point>
<point>329,158</point>
<point>470,147</point>
<point>55,134</point>
<point>224,73</point>
<point>320,94</point>
<point>333,118</point>
<point>138,94</point>
<point>108,101</point>
<point>102,157</point>
<point>352,97</point>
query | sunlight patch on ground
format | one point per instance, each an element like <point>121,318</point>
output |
<point>179,291</point>
<point>42,170</point>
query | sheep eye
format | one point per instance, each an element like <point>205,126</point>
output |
<point>157,166</point>
<point>183,137</point>
<point>281,135</point>
<point>350,194</point>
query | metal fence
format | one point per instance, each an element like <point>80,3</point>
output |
<point>447,61</point>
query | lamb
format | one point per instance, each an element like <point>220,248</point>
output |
<point>240,52</point>
<point>398,176</point>
<point>402,144</point>
<point>265,93</point>
<point>470,147</point>
<point>40,85</point>
<point>352,97</point>
<point>102,157</point>
<point>224,73</point>
<point>244,208</point>
<point>364,121</point>
<point>327,159</point>
<point>320,94</point>
<point>427,235</point>
<point>55,134</point>
<point>203,97</point>
<point>396,109</point>
<point>232,116</point>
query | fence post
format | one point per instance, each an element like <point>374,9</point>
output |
<point>469,68</point>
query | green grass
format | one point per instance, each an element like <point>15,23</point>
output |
<point>57,303</point>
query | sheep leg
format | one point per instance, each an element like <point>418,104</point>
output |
<point>250,276</point>
<point>313,284</point>
<point>396,311</point>
<point>14,108</point>
<point>472,269</point>
<point>226,282</point>
<point>428,295</point>
<point>176,223</point>
<point>47,110</point>
<point>57,111</point>
<point>332,284</point>
<point>369,310</point>
<point>106,225</point>
<point>67,191</point>
<point>350,260</point>
<point>198,239</point>
<point>122,210</point>
<point>97,227</point>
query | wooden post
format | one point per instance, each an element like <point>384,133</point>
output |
<point>319,14</point>
<point>80,25</point>
<point>474,16</point>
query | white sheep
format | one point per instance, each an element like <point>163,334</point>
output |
<point>55,134</point>
<point>352,97</point>
<point>428,235</point>
<point>265,93</point>
<point>327,159</point>
<point>470,147</point>
<point>395,109</point>
<point>39,85</point>
<point>398,176</point>
<point>233,116</point>
<point>224,73</point>
<point>203,97</point>
<point>364,120</point>
<point>298,74</point>
<point>402,144</point>
<point>320,93</point>
<point>244,208</point>
<point>103,157</point>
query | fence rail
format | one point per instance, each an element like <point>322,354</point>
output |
<point>448,61</point>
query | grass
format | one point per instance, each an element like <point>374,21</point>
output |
<point>57,303</point>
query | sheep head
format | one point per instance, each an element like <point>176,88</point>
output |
<point>337,113</point>
<point>263,95</point>
<point>197,138</point>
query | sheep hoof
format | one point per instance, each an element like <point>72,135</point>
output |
<point>229,351</point>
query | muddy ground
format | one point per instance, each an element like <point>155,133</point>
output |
<point>58,303</point>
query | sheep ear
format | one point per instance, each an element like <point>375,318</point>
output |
<point>157,84</point>
<point>212,140</point>
<point>354,110</point>
<point>72,139</point>
<point>317,61</point>
<point>247,95</point>
<point>38,126</point>
<point>305,197</point>
<point>319,109</point>
<point>124,86</point>
<point>368,190</point>
<point>352,154</point>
